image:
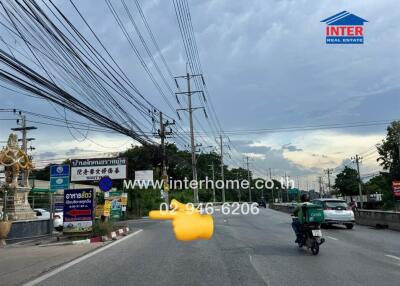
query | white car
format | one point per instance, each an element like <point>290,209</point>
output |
<point>57,218</point>
<point>336,211</point>
<point>58,221</point>
<point>42,213</point>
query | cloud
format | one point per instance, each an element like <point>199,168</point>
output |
<point>291,148</point>
<point>263,70</point>
<point>75,151</point>
<point>46,155</point>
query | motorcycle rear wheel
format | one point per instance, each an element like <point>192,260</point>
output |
<point>315,247</point>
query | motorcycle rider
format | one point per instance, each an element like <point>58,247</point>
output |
<point>298,212</point>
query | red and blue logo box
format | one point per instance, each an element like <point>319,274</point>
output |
<point>344,28</point>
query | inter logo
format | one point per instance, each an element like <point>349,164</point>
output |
<point>344,28</point>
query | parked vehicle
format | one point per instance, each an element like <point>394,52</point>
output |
<point>42,213</point>
<point>58,221</point>
<point>336,211</point>
<point>57,218</point>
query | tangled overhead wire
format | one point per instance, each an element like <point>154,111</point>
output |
<point>69,71</point>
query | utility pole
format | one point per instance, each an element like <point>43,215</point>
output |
<point>24,130</point>
<point>321,190</point>
<point>190,110</point>
<point>357,160</point>
<point>287,187</point>
<point>398,146</point>
<point>398,143</point>
<point>298,188</point>
<point>213,178</point>
<point>221,147</point>
<point>239,191</point>
<point>272,191</point>
<point>248,177</point>
<point>329,173</point>
<point>162,133</point>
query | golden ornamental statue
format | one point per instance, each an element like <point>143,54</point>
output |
<point>16,162</point>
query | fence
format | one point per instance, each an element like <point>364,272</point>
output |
<point>376,218</point>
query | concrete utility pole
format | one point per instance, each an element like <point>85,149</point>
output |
<point>221,147</point>
<point>272,190</point>
<point>287,187</point>
<point>213,178</point>
<point>24,145</point>
<point>162,133</point>
<point>248,177</point>
<point>329,173</point>
<point>190,110</point>
<point>321,188</point>
<point>357,160</point>
<point>298,188</point>
<point>239,191</point>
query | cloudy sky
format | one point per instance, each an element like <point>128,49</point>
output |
<point>267,66</point>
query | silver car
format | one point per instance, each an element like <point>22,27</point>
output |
<point>336,212</point>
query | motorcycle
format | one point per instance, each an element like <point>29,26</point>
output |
<point>311,236</point>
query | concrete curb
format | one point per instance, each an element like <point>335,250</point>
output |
<point>114,235</point>
<point>83,241</point>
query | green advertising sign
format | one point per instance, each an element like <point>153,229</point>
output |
<point>115,199</point>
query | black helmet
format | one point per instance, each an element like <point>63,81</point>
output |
<point>304,198</point>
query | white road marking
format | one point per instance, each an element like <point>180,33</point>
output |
<point>392,256</point>
<point>331,237</point>
<point>257,269</point>
<point>80,259</point>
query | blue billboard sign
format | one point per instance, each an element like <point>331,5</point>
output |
<point>78,210</point>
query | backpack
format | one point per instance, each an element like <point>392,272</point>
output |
<point>310,213</point>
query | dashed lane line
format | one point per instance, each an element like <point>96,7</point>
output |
<point>392,256</point>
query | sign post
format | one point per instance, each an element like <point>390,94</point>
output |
<point>78,210</point>
<point>59,180</point>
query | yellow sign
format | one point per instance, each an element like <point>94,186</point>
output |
<point>124,199</point>
<point>107,208</point>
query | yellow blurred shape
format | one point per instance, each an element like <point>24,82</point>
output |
<point>188,224</point>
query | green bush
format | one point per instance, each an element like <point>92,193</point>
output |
<point>102,228</point>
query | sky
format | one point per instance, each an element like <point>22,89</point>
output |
<point>266,65</point>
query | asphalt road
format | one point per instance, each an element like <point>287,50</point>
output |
<point>245,250</point>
